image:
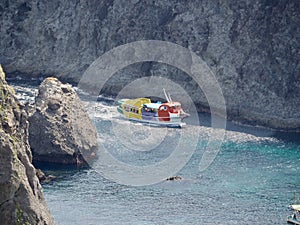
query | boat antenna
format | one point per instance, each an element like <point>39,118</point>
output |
<point>167,97</point>
<point>294,198</point>
<point>170,97</point>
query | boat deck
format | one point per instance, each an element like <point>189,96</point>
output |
<point>292,220</point>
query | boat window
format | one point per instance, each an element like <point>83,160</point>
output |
<point>164,108</point>
<point>174,109</point>
<point>146,109</point>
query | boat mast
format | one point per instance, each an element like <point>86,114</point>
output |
<point>167,97</point>
<point>170,97</point>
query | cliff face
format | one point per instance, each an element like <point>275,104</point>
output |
<point>252,46</point>
<point>21,197</point>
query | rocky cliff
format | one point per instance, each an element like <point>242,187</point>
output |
<point>60,130</point>
<point>251,46</point>
<point>21,197</point>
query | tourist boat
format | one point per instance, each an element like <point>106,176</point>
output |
<point>295,217</point>
<point>158,113</point>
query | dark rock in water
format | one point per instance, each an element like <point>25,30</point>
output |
<point>60,130</point>
<point>42,176</point>
<point>21,197</point>
<point>175,178</point>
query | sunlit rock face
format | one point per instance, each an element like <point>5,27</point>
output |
<point>60,130</point>
<point>21,197</point>
<point>252,47</point>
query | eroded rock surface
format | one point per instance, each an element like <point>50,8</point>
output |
<point>60,130</point>
<point>21,196</point>
<point>252,46</point>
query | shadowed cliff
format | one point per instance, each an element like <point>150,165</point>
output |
<point>251,46</point>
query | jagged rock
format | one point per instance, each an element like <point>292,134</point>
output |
<point>251,45</point>
<point>60,130</point>
<point>43,178</point>
<point>175,178</point>
<point>21,197</point>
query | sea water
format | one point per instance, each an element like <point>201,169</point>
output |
<point>252,179</point>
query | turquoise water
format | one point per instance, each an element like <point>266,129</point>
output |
<point>251,181</point>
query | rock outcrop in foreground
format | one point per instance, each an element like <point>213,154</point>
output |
<point>21,197</point>
<point>60,130</point>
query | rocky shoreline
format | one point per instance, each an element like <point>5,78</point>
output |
<point>21,197</point>
<point>55,129</point>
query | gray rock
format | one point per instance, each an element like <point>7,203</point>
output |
<point>251,45</point>
<point>60,130</point>
<point>175,178</point>
<point>21,196</point>
<point>43,178</point>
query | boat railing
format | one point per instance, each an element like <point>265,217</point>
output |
<point>160,117</point>
<point>153,116</point>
